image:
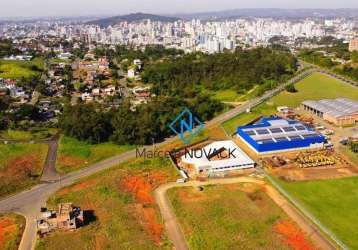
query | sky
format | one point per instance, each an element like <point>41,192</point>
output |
<point>31,8</point>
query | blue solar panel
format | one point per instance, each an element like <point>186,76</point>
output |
<point>300,127</point>
<point>295,137</point>
<point>279,139</point>
<point>289,129</point>
<point>262,131</point>
<point>265,141</point>
<point>250,132</point>
<point>275,130</point>
<point>310,136</point>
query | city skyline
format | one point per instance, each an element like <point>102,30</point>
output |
<point>42,8</point>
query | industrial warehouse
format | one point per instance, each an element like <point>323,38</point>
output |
<point>339,111</point>
<point>218,156</point>
<point>275,134</point>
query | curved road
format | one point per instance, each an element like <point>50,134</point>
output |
<point>176,234</point>
<point>29,202</point>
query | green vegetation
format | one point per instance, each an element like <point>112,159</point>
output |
<point>339,50</point>
<point>315,87</point>
<point>20,166</point>
<point>240,71</point>
<point>349,153</point>
<point>354,147</point>
<point>21,69</point>
<point>227,216</point>
<point>118,218</point>
<point>227,95</point>
<point>74,154</point>
<point>34,134</point>
<point>11,229</point>
<point>291,88</point>
<point>6,48</point>
<point>179,81</point>
<point>333,202</point>
<point>265,109</point>
<point>124,126</point>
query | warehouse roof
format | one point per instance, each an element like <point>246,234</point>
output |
<point>334,107</point>
<point>208,155</point>
<point>276,129</point>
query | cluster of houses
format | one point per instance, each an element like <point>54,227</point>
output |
<point>18,58</point>
<point>9,87</point>
<point>97,93</point>
<point>89,69</point>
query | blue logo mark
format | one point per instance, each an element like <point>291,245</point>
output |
<point>184,123</point>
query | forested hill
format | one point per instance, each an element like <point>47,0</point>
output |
<point>105,22</point>
<point>239,71</point>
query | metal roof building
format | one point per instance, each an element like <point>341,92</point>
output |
<point>274,134</point>
<point>218,156</point>
<point>341,111</point>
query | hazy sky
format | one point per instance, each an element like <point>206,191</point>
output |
<point>12,8</point>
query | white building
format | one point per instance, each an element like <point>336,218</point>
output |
<point>218,156</point>
<point>131,73</point>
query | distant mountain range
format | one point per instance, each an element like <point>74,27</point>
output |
<point>231,14</point>
<point>274,13</point>
<point>135,17</point>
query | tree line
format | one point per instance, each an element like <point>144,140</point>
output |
<point>147,123</point>
<point>240,70</point>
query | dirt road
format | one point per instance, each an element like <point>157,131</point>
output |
<point>177,236</point>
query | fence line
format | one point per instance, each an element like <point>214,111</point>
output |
<point>306,213</point>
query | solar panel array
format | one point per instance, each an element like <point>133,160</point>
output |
<point>280,133</point>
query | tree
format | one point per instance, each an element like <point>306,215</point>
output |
<point>291,88</point>
<point>86,123</point>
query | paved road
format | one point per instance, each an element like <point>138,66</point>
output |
<point>176,234</point>
<point>28,203</point>
<point>330,73</point>
<point>50,173</point>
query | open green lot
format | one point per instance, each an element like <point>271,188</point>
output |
<point>19,69</point>
<point>11,229</point>
<point>226,95</point>
<point>118,206</point>
<point>74,154</point>
<point>21,166</point>
<point>315,87</point>
<point>333,202</point>
<point>237,216</point>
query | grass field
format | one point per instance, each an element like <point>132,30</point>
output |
<point>353,157</point>
<point>316,86</point>
<point>237,216</point>
<point>226,95</point>
<point>19,69</point>
<point>120,206</point>
<point>74,154</point>
<point>11,229</point>
<point>333,202</point>
<point>27,135</point>
<point>21,166</point>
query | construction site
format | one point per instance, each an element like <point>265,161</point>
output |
<point>328,162</point>
<point>66,217</point>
